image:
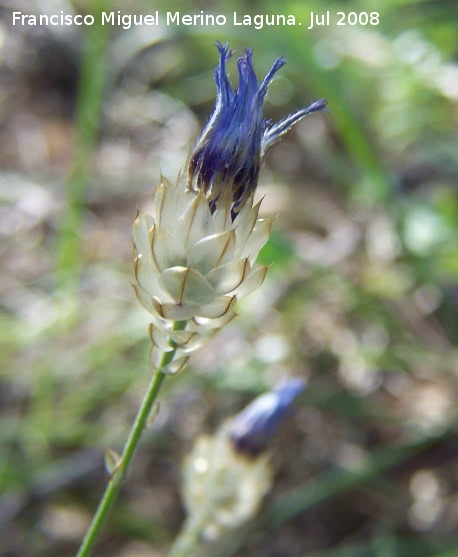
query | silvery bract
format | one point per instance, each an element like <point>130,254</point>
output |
<point>198,255</point>
<point>192,264</point>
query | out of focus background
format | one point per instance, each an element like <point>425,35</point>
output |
<point>361,299</point>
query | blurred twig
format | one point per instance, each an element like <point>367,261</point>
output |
<point>91,84</point>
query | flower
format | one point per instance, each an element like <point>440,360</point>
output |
<point>227,475</point>
<point>251,430</point>
<point>197,256</point>
<point>234,142</point>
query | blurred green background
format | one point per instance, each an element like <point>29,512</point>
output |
<point>361,299</point>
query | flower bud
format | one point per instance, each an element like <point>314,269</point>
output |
<point>222,489</point>
<point>226,476</point>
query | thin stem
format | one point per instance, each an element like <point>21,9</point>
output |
<point>115,482</point>
<point>89,108</point>
<point>187,540</point>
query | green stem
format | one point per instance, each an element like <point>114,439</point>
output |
<point>89,108</point>
<point>115,482</point>
<point>187,541</point>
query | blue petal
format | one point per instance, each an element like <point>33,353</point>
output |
<point>252,429</point>
<point>279,62</point>
<point>230,151</point>
<point>273,133</point>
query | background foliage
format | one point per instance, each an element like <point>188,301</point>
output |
<point>361,298</point>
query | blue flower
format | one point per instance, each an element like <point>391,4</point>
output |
<point>252,429</point>
<point>233,144</point>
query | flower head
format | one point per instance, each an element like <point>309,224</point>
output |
<point>227,474</point>
<point>233,144</point>
<point>198,255</point>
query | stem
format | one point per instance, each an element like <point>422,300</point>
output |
<point>89,107</point>
<point>188,538</point>
<point>115,482</point>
